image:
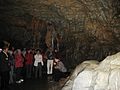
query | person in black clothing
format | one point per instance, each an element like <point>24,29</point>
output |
<point>4,67</point>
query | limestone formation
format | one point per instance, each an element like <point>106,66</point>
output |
<point>96,76</point>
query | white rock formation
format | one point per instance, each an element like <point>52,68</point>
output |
<point>92,75</point>
<point>80,68</point>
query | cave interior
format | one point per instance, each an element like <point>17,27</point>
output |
<point>80,29</point>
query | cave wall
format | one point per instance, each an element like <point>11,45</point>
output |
<point>89,29</point>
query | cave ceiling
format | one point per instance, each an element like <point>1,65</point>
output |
<point>80,22</point>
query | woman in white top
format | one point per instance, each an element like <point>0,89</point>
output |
<point>38,63</point>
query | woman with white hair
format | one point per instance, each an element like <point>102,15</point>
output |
<point>19,66</point>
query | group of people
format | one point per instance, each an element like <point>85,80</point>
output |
<point>16,65</point>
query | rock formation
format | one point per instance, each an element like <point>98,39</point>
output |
<point>88,29</point>
<point>91,75</point>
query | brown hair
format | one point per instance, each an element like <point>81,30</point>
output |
<point>5,44</point>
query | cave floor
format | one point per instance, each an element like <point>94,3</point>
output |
<point>31,84</point>
<point>44,83</point>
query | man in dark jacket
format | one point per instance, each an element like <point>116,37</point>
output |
<point>4,67</point>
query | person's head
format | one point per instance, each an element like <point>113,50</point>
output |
<point>57,59</point>
<point>28,51</point>
<point>5,49</point>
<point>33,50</point>
<point>38,51</point>
<point>19,51</point>
<point>5,46</point>
<point>24,49</point>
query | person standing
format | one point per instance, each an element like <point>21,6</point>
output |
<point>19,66</point>
<point>38,63</point>
<point>50,58</point>
<point>4,67</point>
<point>28,63</point>
<point>12,65</point>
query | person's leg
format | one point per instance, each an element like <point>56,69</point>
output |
<point>27,71</point>
<point>48,66</point>
<point>30,71</point>
<point>44,68</point>
<point>49,70</point>
<point>40,70</point>
<point>5,80</point>
<point>7,76</point>
<point>22,72</point>
<point>51,66</point>
<point>11,76</point>
<point>17,71</point>
<point>36,71</point>
<point>33,70</point>
<point>57,75</point>
<point>19,75</point>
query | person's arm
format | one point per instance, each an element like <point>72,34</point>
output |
<point>0,61</point>
<point>35,57</point>
<point>41,60</point>
<point>35,62</point>
<point>46,54</point>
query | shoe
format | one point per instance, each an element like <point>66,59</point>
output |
<point>22,80</point>
<point>18,81</point>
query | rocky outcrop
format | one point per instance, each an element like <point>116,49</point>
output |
<point>91,75</point>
